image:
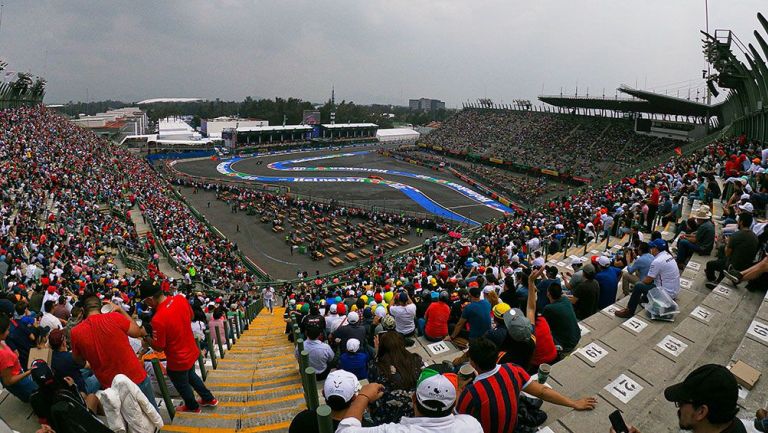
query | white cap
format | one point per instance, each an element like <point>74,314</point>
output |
<point>539,261</point>
<point>747,207</point>
<point>603,261</point>
<point>341,383</point>
<point>436,393</point>
<point>353,345</point>
<point>577,261</point>
<point>333,308</point>
<point>353,317</point>
<point>745,196</point>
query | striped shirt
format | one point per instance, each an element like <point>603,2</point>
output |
<point>492,398</point>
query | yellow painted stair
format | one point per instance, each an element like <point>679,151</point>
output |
<point>257,384</point>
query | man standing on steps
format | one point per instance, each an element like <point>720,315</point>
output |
<point>172,334</point>
<point>268,295</point>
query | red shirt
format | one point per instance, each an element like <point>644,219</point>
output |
<point>545,351</point>
<point>102,340</point>
<point>436,316</point>
<point>8,359</point>
<point>172,325</point>
<point>654,197</point>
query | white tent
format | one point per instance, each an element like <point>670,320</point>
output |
<point>399,135</point>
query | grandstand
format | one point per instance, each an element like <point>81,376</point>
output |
<point>81,216</point>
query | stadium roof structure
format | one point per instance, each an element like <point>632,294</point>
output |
<point>158,100</point>
<point>643,102</point>
<point>348,125</point>
<point>276,128</point>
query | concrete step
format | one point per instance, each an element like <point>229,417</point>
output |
<point>653,362</point>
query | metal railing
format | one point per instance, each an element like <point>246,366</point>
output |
<point>236,323</point>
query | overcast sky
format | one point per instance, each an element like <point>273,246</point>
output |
<point>372,51</point>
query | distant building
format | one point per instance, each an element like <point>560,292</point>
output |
<point>213,127</point>
<point>425,104</point>
<point>125,121</point>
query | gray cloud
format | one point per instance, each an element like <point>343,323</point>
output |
<point>383,52</point>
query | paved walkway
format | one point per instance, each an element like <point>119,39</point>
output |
<point>142,228</point>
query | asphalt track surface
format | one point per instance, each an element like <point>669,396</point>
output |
<point>365,194</point>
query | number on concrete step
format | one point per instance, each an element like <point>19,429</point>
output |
<point>758,330</point>
<point>635,325</point>
<point>672,345</point>
<point>701,313</point>
<point>624,388</point>
<point>593,352</point>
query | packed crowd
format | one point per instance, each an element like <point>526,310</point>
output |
<point>490,290</point>
<point>69,344</point>
<point>589,147</point>
<point>494,293</point>
<point>515,186</point>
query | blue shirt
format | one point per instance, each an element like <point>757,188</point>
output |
<point>355,363</point>
<point>609,282</point>
<point>641,265</point>
<point>541,292</point>
<point>478,315</point>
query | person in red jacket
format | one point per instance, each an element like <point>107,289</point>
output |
<point>172,334</point>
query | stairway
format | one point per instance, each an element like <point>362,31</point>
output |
<point>257,384</point>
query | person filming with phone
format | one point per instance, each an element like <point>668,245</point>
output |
<point>705,402</point>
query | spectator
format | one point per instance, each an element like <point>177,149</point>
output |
<point>397,370</point>
<point>354,360</point>
<point>559,314</point>
<point>14,378</point>
<point>404,312</point>
<point>586,294</point>
<point>102,341</point>
<point>320,353</point>
<point>607,277</point>
<point>738,254</point>
<point>477,314</point>
<point>48,319</point>
<point>492,398</point>
<point>64,365</point>
<point>339,390</point>
<point>433,403</point>
<point>701,242</point>
<point>663,273</point>
<point>353,329</point>
<point>706,401</point>
<point>436,318</point>
<point>172,335</point>
<point>637,269</point>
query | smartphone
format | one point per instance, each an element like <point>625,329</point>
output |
<point>617,422</point>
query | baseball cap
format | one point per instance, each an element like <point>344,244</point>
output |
<point>353,317</point>
<point>659,244</point>
<point>538,262</point>
<point>603,261</point>
<point>151,288</point>
<point>712,384</point>
<point>745,196</point>
<point>577,261</point>
<point>500,308</point>
<point>388,323</point>
<point>436,391</point>
<point>333,308</point>
<point>518,326</point>
<point>41,373</point>
<point>353,345</point>
<point>747,207</point>
<point>341,383</point>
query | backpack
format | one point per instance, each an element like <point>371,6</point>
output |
<point>70,415</point>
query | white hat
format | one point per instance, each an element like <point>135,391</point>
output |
<point>745,196</point>
<point>341,383</point>
<point>333,308</point>
<point>436,392</point>
<point>539,261</point>
<point>747,207</point>
<point>603,261</point>
<point>559,227</point>
<point>514,259</point>
<point>353,345</point>
<point>577,261</point>
<point>353,317</point>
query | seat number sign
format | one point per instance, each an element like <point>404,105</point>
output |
<point>624,388</point>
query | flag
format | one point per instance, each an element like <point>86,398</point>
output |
<point>679,151</point>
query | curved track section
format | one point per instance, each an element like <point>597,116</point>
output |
<point>411,192</point>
